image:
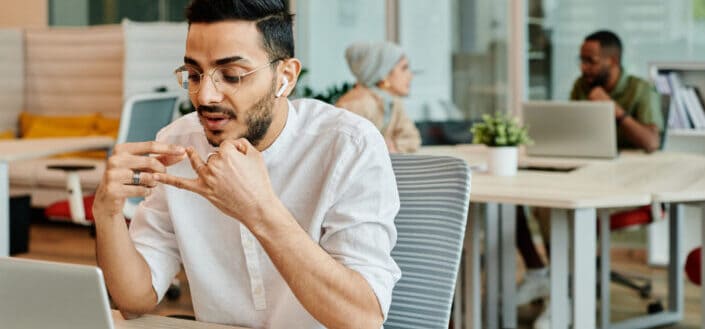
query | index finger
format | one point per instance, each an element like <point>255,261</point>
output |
<point>193,185</point>
<point>151,147</point>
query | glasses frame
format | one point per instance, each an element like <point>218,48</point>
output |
<point>210,73</point>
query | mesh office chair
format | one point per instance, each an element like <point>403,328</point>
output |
<point>434,194</point>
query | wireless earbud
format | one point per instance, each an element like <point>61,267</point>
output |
<point>281,90</point>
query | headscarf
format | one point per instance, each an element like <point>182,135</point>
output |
<point>371,62</point>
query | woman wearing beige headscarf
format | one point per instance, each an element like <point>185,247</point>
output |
<point>383,76</point>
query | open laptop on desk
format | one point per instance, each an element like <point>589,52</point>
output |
<point>43,295</point>
<point>575,129</point>
<point>38,294</point>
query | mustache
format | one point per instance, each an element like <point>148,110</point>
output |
<point>216,109</point>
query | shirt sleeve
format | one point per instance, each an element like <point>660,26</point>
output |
<point>577,93</point>
<point>153,236</point>
<point>358,229</point>
<point>648,110</point>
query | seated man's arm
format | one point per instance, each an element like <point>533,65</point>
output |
<point>644,136</point>
<point>641,130</point>
<point>127,274</point>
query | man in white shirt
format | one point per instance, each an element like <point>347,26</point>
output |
<point>282,216</point>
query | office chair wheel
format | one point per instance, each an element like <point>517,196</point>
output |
<point>173,293</point>
<point>655,307</point>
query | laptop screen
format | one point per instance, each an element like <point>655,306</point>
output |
<point>39,294</point>
<point>580,129</point>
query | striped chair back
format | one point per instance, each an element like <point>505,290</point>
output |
<point>435,194</point>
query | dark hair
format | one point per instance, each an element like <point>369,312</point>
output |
<point>272,19</point>
<point>609,41</point>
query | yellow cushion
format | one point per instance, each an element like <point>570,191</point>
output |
<point>62,124</point>
<point>107,126</point>
<point>7,134</point>
<point>39,126</point>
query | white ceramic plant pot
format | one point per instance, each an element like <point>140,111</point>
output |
<point>502,160</point>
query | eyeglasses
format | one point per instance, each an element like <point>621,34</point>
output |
<point>589,60</point>
<point>226,78</point>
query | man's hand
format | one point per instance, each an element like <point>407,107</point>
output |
<point>126,160</point>
<point>234,179</point>
<point>599,94</point>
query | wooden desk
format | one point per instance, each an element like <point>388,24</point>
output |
<point>574,199</point>
<point>153,321</point>
<point>673,179</point>
<point>13,150</point>
<point>632,179</point>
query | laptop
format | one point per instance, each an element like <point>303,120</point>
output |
<point>577,129</point>
<point>39,294</point>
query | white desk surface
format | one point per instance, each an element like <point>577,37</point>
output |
<point>632,179</point>
<point>22,149</point>
<point>540,188</point>
<point>669,177</point>
<point>665,176</point>
<point>161,322</point>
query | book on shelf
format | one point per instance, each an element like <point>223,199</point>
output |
<point>678,116</point>
<point>693,107</point>
<point>686,103</point>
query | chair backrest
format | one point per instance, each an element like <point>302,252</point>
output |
<point>143,115</point>
<point>434,193</point>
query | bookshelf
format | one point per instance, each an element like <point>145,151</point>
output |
<point>678,140</point>
<point>690,74</point>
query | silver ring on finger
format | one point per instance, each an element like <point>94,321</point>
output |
<point>136,177</point>
<point>212,154</point>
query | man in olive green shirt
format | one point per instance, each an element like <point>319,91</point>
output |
<point>639,124</point>
<point>637,105</point>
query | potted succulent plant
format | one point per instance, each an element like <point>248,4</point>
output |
<point>502,134</point>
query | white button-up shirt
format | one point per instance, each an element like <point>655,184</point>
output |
<point>332,171</point>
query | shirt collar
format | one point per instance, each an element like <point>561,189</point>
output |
<point>621,83</point>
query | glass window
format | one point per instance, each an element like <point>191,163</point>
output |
<point>650,30</point>
<point>96,12</point>
<point>480,57</point>
<point>324,28</point>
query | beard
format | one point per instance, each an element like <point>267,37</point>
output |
<point>258,119</point>
<point>599,80</point>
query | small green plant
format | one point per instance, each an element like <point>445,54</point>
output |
<point>499,130</point>
<point>330,95</point>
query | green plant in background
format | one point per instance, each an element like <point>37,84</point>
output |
<point>699,10</point>
<point>330,95</point>
<point>499,130</point>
